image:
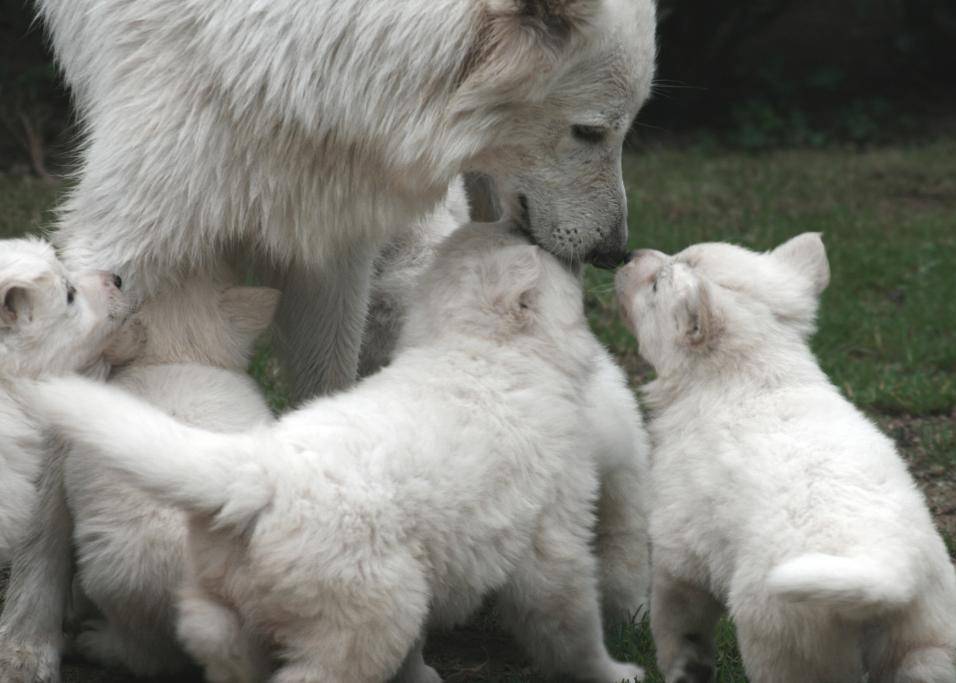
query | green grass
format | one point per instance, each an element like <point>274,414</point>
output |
<point>887,332</point>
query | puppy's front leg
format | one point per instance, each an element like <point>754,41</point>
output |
<point>31,626</point>
<point>551,604</point>
<point>683,618</point>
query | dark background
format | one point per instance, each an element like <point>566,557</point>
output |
<point>755,74</point>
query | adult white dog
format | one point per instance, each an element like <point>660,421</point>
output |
<point>309,130</point>
<point>464,467</point>
<point>772,494</point>
<point>51,322</point>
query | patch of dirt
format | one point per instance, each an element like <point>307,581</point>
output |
<point>928,444</point>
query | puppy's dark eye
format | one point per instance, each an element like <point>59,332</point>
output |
<point>654,286</point>
<point>70,294</point>
<point>590,134</point>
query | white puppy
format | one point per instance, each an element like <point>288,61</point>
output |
<point>622,535</point>
<point>773,495</point>
<point>51,322</point>
<point>462,468</point>
<point>131,550</point>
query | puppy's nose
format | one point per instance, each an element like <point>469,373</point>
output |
<point>118,281</point>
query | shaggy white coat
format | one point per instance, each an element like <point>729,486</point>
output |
<point>310,131</point>
<point>463,468</point>
<point>51,322</point>
<point>130,550</point>
<point>772,495</point>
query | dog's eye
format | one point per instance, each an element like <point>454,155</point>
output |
<point>654,286</point>
<point>70,294</point>
<point>590,134</point>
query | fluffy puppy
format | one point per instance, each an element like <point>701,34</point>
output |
<point>130,549</point>
<point>51,322</point>
<point>620,447</point>
<point>773,495</point>
<point>461,469</point>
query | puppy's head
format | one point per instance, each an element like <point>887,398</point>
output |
<point>488,281</point>
<point>52,321</point>
<point>719,296</point>
<point>201,321</point>
<point>558,83</point>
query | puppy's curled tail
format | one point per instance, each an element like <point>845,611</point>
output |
<point>190,468</point>
<point>855,587</point>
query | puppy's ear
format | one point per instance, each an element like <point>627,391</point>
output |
<point>700,325</point>
<point>15,304</point>
<point>806,254</point>
<point>511,281</point>
<point>249,309</point>
<point>517,44</point>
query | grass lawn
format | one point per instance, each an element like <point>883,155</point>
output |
<point>887,327</point>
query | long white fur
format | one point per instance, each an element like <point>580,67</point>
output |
<point>42,334</point>
<point>773,495</point>
<point>310,131</point>
<point>459,469</point>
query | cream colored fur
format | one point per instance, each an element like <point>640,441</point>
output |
<point>463,468</point>
<point>773,497</point>
<point>130,550</point>
<point>51,322</point>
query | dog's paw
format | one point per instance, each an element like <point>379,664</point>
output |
<point>630,673</point>
<point>28,663</point>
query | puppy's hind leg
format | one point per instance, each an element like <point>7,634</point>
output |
<point>212,633</point>
<point>551,604</point>
<point>414,669</point>
<point>364,633</point>
<point>926,665</point>
<point>683,618</point>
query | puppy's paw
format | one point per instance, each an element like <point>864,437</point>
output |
<point>422,674</point>
<point>620,671</point>
<point>28,662</point>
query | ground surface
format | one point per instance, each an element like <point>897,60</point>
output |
<point>887,328</point>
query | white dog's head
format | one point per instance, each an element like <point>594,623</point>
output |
<point>559,82</point>
<point>198,321</point>
<point>719,297</point>
<point>487,281</point>
<point>52,321</point>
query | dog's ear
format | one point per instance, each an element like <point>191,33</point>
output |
<point>700,324</point>
<point>15,304</point>
<point>249,309</point>
<point>806,254</point>
<point>551,21</point>
<point>511,281</point>
<point>519,42</point>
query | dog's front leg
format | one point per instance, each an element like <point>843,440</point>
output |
<point>320,321</point>
<point>31,626</point>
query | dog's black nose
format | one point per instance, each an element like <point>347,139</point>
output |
<point>118,281</point>
<point>609,260</point>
